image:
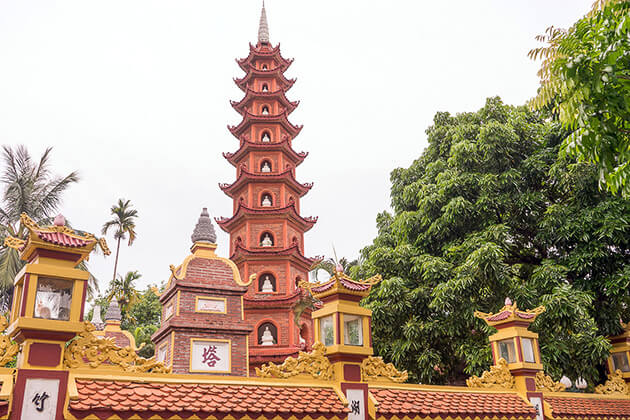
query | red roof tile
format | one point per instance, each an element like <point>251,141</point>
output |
<point>204,400</point>
<point>586,407</point>
<point>59,238</point>
<point>410,402</point>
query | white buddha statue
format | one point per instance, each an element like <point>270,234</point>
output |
<point>265,167</point>
<point>266,138</point>
<point>265,110</point>
<point>265,88</point>
<point>267,337</point>
<point>267,287</point>
<point>266,202</point>
<point>267,240</point>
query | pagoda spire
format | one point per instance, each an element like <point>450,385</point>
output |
<point>263,27</point>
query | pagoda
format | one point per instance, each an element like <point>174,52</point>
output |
<point>266,228</point>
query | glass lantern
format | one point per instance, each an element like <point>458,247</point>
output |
<point>507,350</point>
<point>620,361</point>
<point>527,346</point>
<point>53,299</point>
<point>327,330</point>
<point>352,330</point>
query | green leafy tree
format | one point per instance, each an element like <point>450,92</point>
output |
<point>30,187</point>
<point>491,210</point>
<point>585,80</point>
<point>124,291</point>
<point>123,223</point>
<point>146,313</point>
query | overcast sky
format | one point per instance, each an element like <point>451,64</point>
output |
<point>135,96</point>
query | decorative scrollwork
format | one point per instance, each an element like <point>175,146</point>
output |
<point>499,376</point>
<point>8,349</point>
<point>15,243</point>
<point>87,350</point>
<point>546,383</point>
<point>314,363</point>
<point>614,385</point>
<point>374,367</point>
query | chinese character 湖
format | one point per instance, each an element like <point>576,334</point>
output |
<point>38,400</point>
<point>210,356</point>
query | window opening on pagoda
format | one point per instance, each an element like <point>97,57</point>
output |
<point>266,239</point>
<point>265,138</point>
<point>264,67</point>
<point>265,110</point>
<point>267,283</point>
<point>265,87</point>
<point>298,279</point>
<point>267,334</point>
<point>266,200</point>
<point>265,166</point>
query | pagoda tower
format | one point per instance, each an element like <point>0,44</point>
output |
<point>266,228</point>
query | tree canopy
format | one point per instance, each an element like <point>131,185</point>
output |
<point>491,210</point>
<point>585,81</point>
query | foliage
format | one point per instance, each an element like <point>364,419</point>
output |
<point>490,210</point>
<point>123,290</point>
<point>585,80</point>
<point>123,223</point>
<point>30,187</point>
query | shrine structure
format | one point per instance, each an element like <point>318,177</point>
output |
<point>266,228</point>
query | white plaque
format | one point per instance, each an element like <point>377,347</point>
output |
<point>210,356</point>
<point>210,305</point>
<point>538,406</point>
<point>40,399</point>
<point>356,404</point>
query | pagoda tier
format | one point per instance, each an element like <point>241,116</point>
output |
<point>266,228</point>
<point>249,147</point>
<point>251,96</point>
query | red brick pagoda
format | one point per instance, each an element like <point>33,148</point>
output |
<point>266,229</point>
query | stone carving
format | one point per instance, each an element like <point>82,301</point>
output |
<point>546,383</point>
<point>89,351</point>
<point>314,363</point>
<point>204,231</point>
<point>374,367</point>
<point>267,338</point>
<point>614,385</point>
<point>8,349</point>
<point>498,376</point>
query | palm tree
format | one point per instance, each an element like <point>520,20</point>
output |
<point>124,291</point>
<point>124,223</point>
<point>31,188</point>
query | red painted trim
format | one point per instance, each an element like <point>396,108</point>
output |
<point>338,332</point>
<point>519,349</point>
<point>44,354</point>
<point>27,280</point>
<point>44,335</point>
<point>58,255</point>
<point>352,373</point>
<point>83,297</point>
<point>370,329</point>
<point>20,385</point>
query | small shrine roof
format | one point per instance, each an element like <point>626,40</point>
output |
<point>586,406</point>
<point>203,400</point>
<point>509,313</point>
<point>413,403</point>
<point>339,282</point>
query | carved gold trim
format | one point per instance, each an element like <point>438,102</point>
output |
<point>373,368</point>
<point>546,383</point>
<point>88,350</point>
<point>15,243</point>
<point>8,349</point>
<point>614,385</point>
<point>314,363</point>
<point>498,376</point>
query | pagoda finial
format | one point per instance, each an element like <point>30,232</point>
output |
<point>263,27</point>
<point>204,231</point>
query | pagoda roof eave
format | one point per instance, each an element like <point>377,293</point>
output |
<point>256,52</point>
<point>287,176</point>
<point>296,157</point>
<point>251,94</point>
<point>272,301</point>
<point>292,252</point>
<point>277,73</point>
<point>244,211</point>
<point>249,118</point>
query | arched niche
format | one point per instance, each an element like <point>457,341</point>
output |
<point>264,110</point>
<point>267,239</point>
<point>267,283</point>
<point>265,166</point>
<point>265,137</point>
<point>267,334</point>
<point>264,87</point>
<point>266,200</point>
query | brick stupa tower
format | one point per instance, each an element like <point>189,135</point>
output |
<point>266,229</point>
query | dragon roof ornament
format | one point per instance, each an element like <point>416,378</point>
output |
<point>315,364</point>
<point>499,376</point>
<point>509,313</point>
<point>340,282</point>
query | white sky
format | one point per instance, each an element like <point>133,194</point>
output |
<point>135,96</point>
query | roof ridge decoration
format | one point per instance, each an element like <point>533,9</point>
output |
<point>8,348</point>
<point>545,382</point>
<point>341,282</point>
<point>373,368</point>
<point>263,26</point>
<point>614,385</point>
<point>499,376</point>
<point>510,312</point>
<point>90,351</point>
<point>314,363</point>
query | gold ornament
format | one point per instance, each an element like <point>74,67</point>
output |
<point>15,243</point>
<point>546,383</point>
<point>87,350</point>
<point>374,367</point>
<point>498,376</point>
<point>614,385</point>
<point>8,349</point>
<point>314,363</point>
